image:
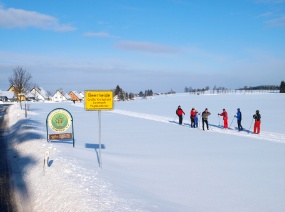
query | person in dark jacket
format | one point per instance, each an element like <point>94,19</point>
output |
<point>257,118</point>
<point>239,117</point>
<point>205,115</point>
<point>180,113</point>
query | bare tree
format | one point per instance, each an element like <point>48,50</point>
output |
<point>21,79</point>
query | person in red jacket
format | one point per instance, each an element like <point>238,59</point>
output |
<point>225,118</point>
<point>179,113</point>
<point>193,113</point>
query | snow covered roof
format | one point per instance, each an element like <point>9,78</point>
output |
<point>38,91</point>
<point>77,94</point>
<point>63,93</point>
<point>81,94</point>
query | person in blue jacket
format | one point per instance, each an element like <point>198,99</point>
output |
<point>239,117</point>
<point>196,119</point>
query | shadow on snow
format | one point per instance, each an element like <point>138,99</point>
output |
<point>22,131</point>
<point>95,147</point>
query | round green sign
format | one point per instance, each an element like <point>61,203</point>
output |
<point>59,120</point>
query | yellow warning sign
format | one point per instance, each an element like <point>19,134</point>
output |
<point>99,100</point>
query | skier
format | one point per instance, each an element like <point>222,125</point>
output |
<point>179,113</point>
<point>196,118</point>
<point>238,116</point>
<point>205,115</point>
<point>257,122</point>
<point>193,113</point>
<point>225,118</point>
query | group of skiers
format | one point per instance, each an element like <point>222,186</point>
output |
<point>194,118</point>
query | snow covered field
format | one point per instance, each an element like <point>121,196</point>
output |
<point>150,163</point>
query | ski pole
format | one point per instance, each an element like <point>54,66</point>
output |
<point>232,122</point>
<point>219,120</point>
<point>250,125</point>
<point>210,126</point>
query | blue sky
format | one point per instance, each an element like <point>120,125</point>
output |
<point>139,45</point>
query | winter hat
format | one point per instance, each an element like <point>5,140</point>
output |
<point>257,111</point>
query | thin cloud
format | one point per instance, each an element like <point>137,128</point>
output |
<point>18,18</point>
<point>266,14</point>
<point>276,23</point>
<point>274,18</point>
<point>270,1</point>
<point>98,34</point>
<point>146,47</point>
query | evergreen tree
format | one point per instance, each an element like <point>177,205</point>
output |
<point>121,95</point>
<point>282,87</point>
<point>131,96</point>
<point>141,94</point>
<point>118,90</point>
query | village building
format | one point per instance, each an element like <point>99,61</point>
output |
<point>75,96</point>
<point>82,95</point>
<point>116,98</point>
<point>16,92</point>
<point>60,96</point>
<point>38,94</point>
<point>6,96</point>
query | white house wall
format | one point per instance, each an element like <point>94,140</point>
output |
<point>58,97</point>
<point>36,95</point>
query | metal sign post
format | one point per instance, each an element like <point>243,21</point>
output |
<point>99,100</point>
<point>99,119</point>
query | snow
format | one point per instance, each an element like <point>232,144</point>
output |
<point>150,163</point>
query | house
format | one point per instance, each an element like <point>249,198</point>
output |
<point>75,96</point>
<point>60,96</point>
<point>116,98</point>
<point>16,92</point>
<point>6,96</point>
<point>38,94</point>
<point>171,92</point>
<point>82,95</point>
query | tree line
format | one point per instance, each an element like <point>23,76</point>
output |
<point>261,87</point>
<point>196,90</point>
<point>122,95</point>
<point>21,79</point>
<point>216,89</point>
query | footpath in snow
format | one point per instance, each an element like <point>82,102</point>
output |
<point>268,136</point>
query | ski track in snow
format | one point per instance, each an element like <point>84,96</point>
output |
<point>268,136</point>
